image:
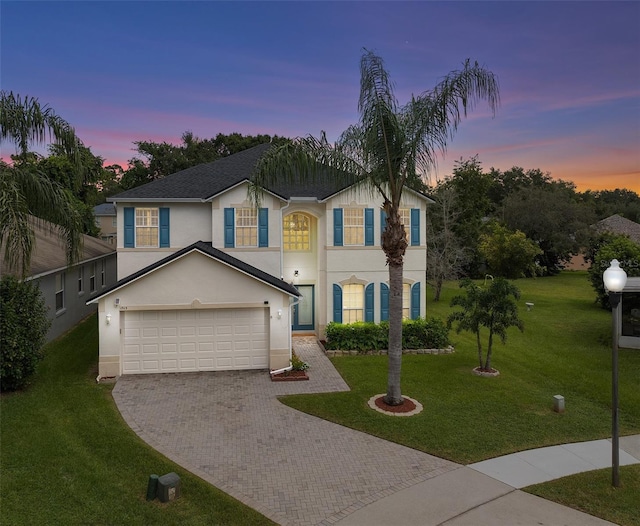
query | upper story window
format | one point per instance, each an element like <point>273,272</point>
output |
<point>59,291</point>
<point>80,280</point>
<point>405,219</point>
<point>103,270</point>
<point>354,226</point>
<point>296,231</point>
<point>246,227</point>
<point>147,227</point>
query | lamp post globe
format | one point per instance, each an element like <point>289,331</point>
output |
<point>614,277</point>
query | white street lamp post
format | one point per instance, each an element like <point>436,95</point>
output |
<point>614,281</point>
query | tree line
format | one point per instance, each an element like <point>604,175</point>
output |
<point>514,223</point>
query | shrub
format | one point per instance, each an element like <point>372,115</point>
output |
<point>603,250</point>
<point>297,364</point>
<point>23,330</point>
<point>367,336</point>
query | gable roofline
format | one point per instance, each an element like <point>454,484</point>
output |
<point>208,250</point>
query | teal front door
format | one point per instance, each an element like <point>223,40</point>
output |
<point>303,312</point>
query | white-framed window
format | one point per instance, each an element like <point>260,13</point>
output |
<point>405,219</point>
<point>103,273</point>
<point>147,227</point>
<point>353,226</point>
<point>92,277</point>
<point>352,302</point>
<point>246,227</point>
<point>406,301</point>
<point>80,280</point>
<point>60,292</point>
<point>114,222</point>
<point>296,229</point>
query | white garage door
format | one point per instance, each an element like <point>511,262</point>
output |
<point>195,340</point>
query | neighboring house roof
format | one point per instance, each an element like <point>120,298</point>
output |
<point>105,209</point>
<point>208,250</point>
<point>205,181</point>
<point>50,251</point>
<point>617,224</point>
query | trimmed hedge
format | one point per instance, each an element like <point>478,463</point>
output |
<point>422,333</point>
<point>23,330</point>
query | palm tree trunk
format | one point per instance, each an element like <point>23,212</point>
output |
<point>479,348</point>
<point>487,363</point>
<point>394,396</point>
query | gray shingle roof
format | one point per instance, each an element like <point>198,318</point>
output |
<point>209,250</point>
<point>105,209</point>
<point>206,180</point>
<point>617,224</point>
<point>50,250</point>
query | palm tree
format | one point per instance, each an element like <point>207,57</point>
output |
<point>493,307</point>
<point>27,196</point>
<point>391,146</point>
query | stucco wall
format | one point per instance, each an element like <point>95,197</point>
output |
<point>75,307</point>
<point>193,281</point>
<point>188,223</point>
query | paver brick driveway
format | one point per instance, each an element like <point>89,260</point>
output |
<point>230,429</point>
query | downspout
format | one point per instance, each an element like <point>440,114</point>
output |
<point>278,371</point>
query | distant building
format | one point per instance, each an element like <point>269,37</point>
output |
<point>105,215</point>
<point>617,224</point>
<point>614,224</point>
<point>67,289</point>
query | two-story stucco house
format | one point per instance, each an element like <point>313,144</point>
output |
<point>209,282</point>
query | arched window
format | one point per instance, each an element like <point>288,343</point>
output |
<point>296,228</point>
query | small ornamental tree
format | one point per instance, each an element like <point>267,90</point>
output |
<point>23,330</point>
<point>493,307</point>
<point>509,254</point>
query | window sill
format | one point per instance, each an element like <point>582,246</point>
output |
<point>61,312</point>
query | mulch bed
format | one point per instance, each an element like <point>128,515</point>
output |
<point>405,407</point>
<point>289,376</point>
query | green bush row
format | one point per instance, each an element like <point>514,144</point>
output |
<point>422,333</point>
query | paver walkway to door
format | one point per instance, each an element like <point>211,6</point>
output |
<point>229,428</point>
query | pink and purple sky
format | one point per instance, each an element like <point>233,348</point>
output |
<point>123,71</point>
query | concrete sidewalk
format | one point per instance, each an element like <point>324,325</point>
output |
<point>486,493</point>
<point>548,463</point>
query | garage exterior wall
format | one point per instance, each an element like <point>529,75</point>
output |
<point>194,281</point>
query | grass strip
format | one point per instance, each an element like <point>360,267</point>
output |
<point>67,456</point>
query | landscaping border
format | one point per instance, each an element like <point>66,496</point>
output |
<point>331,353</point>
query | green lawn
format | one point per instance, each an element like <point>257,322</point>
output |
<point>565,349</point>
<point>67,456</point>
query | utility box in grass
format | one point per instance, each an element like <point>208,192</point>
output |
<point>168,487</point>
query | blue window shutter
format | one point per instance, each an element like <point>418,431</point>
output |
<point>415,301</point>
<point>263,227</point>
<point>368,227</point>
<point>383,223</point>
<point>164,227</point>
<point>384,302</point>
<point>129,227</point>
<point>337,227</point>
<point>368,301</point>
<point>415,227</point>
<point>229,220</point>
<point>337,303</point>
